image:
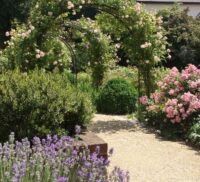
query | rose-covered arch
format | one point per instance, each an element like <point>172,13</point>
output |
<point>40,43</point>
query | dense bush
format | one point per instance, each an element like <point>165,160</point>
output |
<point>40,103</point>
<point>85,85</point>
<point>194,132</point>
<point>183,33</point>
<point>177,100</point>
<point>54,159</point>
<point>130,74</point>
<point>117,97</point>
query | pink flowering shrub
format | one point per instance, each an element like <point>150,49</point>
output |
<point>178,96</point>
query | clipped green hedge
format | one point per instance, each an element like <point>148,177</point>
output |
<point>40,103</point>
<point>118,96</point>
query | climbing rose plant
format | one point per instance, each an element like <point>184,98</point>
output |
<point>54,159</point>
<point>54,37</point>
<point>178,96</point>
<point>139,34</point>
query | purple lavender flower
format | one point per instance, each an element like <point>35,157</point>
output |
<point>97,150</point>
<point>54,156</point>
<point>62,179</point>
<point>22,169</point>
<point>15,169</point>
<point>122,175</point>
<point>74,153</point>
<point>14,179</point>
<point>94,157</point>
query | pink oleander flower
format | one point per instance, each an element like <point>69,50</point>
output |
<point>172,92</point>
<point>191,68</point>
<point>182,110</point>
<point>144,100</point>
<point>187,97</point>
<point>193,84</point>
<point>156,96</point>
<point>177,119</point>
<point>195,104</point>
<point>172,102</point>
<point>184,76</point>
<point>177,95</point>
<point>174,72</point>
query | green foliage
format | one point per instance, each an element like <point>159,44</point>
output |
<point>165,129</point>
<point>117,97</point>
<point>139,34</point>
<point>40,103</point>
<point>94,51</point>
<point>194,132</point>
<point>130,74</point>
<point>158,74</point>
<point>127,73</point>
<point>183,33</point>
<point>28,49</point>
<point>85,85</point>
<point>52,39</point>
<point>58,39</point>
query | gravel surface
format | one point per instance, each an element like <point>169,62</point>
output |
<point>147,157</point>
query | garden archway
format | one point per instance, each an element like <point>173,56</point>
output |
<point>132,29</point>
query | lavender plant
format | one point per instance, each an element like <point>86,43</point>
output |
<point>54,159</point>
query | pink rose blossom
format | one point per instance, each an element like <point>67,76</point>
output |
<point>7,34</point>
<point>37,56</point>
<point>42,54</point>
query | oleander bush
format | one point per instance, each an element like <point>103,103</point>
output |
<point>54,159</point>
<point>40,103</point>
<point>176,102</point>
<point>117,97</point>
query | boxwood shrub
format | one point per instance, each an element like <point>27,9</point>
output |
<point>118,96</point>
<point>40,103</point>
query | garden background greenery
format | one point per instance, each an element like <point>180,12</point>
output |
<point>60,62</point>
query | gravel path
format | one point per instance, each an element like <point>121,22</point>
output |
<point>147,157</point>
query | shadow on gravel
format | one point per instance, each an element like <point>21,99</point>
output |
<point>149,130</point>
<point>113,126</point>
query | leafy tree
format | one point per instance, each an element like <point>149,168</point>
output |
<point>183,37</point>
